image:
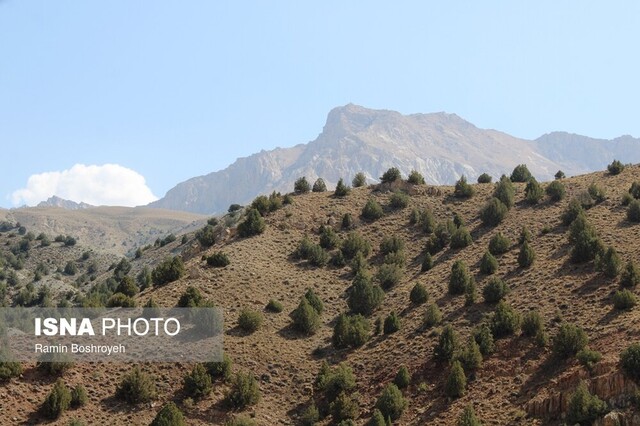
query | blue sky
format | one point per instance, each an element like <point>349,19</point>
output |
<point>169,90</point>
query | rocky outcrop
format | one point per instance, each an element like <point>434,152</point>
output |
<point>605,380</point>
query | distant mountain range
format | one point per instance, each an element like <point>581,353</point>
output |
<point>56,201</point>
<point>440,146</point>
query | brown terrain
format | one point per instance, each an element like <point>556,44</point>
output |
<point>519,384</point>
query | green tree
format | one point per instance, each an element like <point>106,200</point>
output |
<point>253,224</point>
<point>484,178</point>
<point>488,263</point>
<point>403,378</point>
<point>136,387</point>
<point>559,175</point>
<point>342,190</point>
<point>505,320</point>
<point>415,178</point>
<point>305,318</point>
<point>197,383</point>
<point>301,185</point>
<point>468,417</point>
<point>495,290</point>
<point>615,168</point>
<point>319,185</point>
<point>555,191</point>
<point>447,344</point>
<point>505,192</point>
<point>521,173</point>
<point>569,341</point>
<point>418,294</point>
<point>460,278</point>
<point>364,297</point>
<point>360,179</point>
<point>427,262</point>
<point>58,400</point>
<point>493,212</point>
<point>527,256</point>
<point>350,331</point>
<point>609,263</point>
<point>432,315</point>
<point>470,357</point>
<point>456,384</point>
<point>499,244</point>
<point>371,210</point>
<point>463,189</point>
<point>391,175</point>
<point>630,361</point>
<point>461,238</point>
<point>583,407</point>
<point>633,211</point>
<point>391,403</point>
<point>533,192</point>
<point>630,276</point>
<point>391,323</point>
<point>244,391</point>
<point>169,415</point>
<point>167,271</point>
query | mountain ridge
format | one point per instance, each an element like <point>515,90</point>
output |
<point>442,146</point>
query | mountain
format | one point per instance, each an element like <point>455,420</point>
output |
<point>56,201</point>
<point>520,379</point>
<point>116,230</point>
<point>440,146</point>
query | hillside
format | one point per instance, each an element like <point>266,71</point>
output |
<point>116,230</point>
<point>440,146</point>
<point>520,383</point>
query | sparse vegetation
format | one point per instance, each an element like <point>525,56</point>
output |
<point>169,415</point>
<point>391,175</point>
<point>555,191</point>
<point>583,407</point>
<point>485,178</point>
<point>371,210</point>
<point>301,186</point>
<point>391,403</point>
<point>615,168</point>
<point>244,391</point>
<point>58,400</point>
<point>136,387</point>
<point>570,340</point>
<point>495,290</point>
<point>342,190</point>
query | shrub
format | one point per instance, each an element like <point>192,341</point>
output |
<point>197,384</point>
<point>218,260</point>
<point>54,363</point>
<point>499,244</point>
<point>570,340</point>
<point>398,200</point>
<point>505,320</point>
<point>588,357</point>
<point>521,173</point>
<point>241,420</point>
<point>525,235</point>
<point>389,275</point>
<point>505,192</point>
<point>634,191</point>
<point>626,199</point>
<point>432,315</point>
<point>317,256</point>
<point>484,338</point>
<point>372,210</point>
<point>555,191</point>
<point>244,391</point>
<point>260,203</point>
<point>415,178</point>
<point>527,256</point>
<point>274,306</point>
<point>334,382</point>
<point>136,386</point>
<point>391,323</point>
<point>119,300</point>
<point>397,258</point>
<point>391,175</point>
<point>488,263</point>
<point>596,193</point>
<point>304,248</point>
<point>470,357</point>
<point>219,369</point>
<point>630,361</point>
<point>344,407</point>
<point>468,417</point>
<point>167,271</point>
<point>533,192</point>
<point>615,168</point>
<point>470,293</point>
<point>456,382</point>
<point>79,396</point>
<point>447,344</point>
<point>314,300</point>
<point>459,278</point>
<point>249,320</point>
<point>377,419</point>
<point>391,403</point>
<point>169,415</point>
<point>493,212</point>
<point>609,263</point>
<point>427,262</point>
<point>127,287</point>
<point>338,260</point>
<point>353,244</point>
<point>630,276</point>
<point>573,210</point>
<point>586,243</point>
<point>359,180</point>
<point>532,324</point>
<point>463,189</point>
<point>364,297</point>
<point>633,211</point>
<point>305,318</point>
<point>403,378</point>
<point>347,221</point>
<point>319,185</point>
<point>191,298</point>
<point>350,331</point>
<point>461,238</point>
<point>310,415</point>
<point>301,186</point>
<point>253,224</point>
<point>495,290</point>
<point>342,190</point>
<point>418,294</point>
<point>624,300</point>
<point>559,175</point>
<point>391,244</point>
<point>427,221</point>
<point>206,236</point>
<point>58,400</point>
<point>584,408</point>
<point>484,178</point>
<point>8,369</point>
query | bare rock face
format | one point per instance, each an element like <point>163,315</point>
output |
<point>606,381</point>
<point>440,146</point>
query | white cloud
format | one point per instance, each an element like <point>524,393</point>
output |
<point>108,184</point>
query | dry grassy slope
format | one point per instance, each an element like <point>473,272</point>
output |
<point>117,230</point>
<point>261,269</point>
